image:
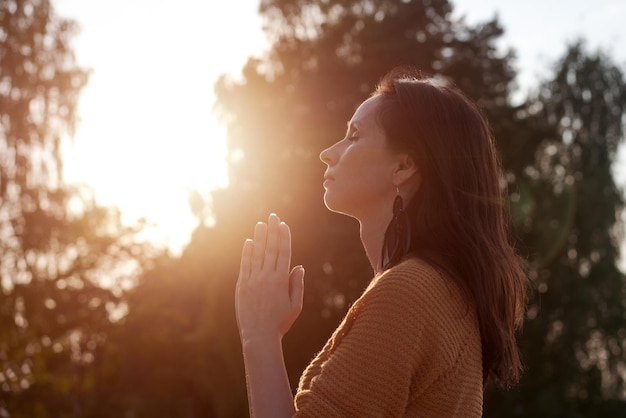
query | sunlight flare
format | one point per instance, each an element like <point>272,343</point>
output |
<point>147,136</point>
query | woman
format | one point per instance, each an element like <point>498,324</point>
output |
<point>418,169</point>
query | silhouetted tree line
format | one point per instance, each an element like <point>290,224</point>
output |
<point>64,351</point>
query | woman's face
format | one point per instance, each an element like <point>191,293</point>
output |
<point>359,179</point>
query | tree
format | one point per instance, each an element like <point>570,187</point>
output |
<point>326,57</point>
<point>568,207</point>
<point>557,149</point>
<point>64,261</point>
<point>176,352</point>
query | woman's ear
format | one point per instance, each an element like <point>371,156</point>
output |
<point>406,170</point>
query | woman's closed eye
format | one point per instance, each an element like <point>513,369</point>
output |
<point>353,136</point>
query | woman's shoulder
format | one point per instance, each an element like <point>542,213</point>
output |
<point>414,272</point>
<point>419,280</point>
<point>414,265</point>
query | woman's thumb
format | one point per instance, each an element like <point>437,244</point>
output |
<point>296,287</point>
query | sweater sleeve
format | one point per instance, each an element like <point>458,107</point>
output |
<point>374,354</point>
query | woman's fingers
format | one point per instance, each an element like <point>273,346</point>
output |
<point>258,250</point>
<point>244,272</point>
<point>268,296</point>
<point>269,251</point>
<point>284,255</point>
<point>273,242</point>
<point>296,288</point>
<point>246,260</point>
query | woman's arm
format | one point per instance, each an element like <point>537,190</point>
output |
<point>269,392</point>
<point>268,300</point>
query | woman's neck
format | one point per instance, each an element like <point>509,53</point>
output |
<point>372,236</point>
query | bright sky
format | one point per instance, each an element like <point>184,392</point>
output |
<point>147,134</point>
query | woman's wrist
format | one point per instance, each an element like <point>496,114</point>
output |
<point>251,341</point>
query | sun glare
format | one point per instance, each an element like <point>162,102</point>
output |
<point>146,134</point>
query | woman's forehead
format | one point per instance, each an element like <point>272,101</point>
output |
<point>365,114</point>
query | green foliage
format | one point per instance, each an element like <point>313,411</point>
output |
<point>176,351</point>
<point>557,150</point>
<point>63,260</point>
<point>573,339</point>
<point>326,58</point>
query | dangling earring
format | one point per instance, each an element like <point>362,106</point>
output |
<point>397,239</point>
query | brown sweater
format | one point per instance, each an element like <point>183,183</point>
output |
<point>408,347</point>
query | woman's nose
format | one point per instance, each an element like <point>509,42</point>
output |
<point>326,156</point>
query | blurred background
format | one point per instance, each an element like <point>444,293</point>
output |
<point>140,142</point>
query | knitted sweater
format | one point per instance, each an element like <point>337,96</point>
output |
<point>408,347</point>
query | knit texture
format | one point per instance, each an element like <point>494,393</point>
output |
<point>408,347</point>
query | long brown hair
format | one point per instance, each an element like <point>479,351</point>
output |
<point>458,212</point>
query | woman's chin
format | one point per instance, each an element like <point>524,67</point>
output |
<point>335,206</point>
<point>330,202</point>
